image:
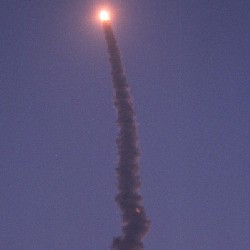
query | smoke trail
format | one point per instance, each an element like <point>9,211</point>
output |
<point>135,222</point>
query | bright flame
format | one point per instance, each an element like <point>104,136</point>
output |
<point>104,16</point>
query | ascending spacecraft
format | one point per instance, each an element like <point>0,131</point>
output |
<point>104,16</point>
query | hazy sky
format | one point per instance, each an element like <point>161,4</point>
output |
<point>188,66</point>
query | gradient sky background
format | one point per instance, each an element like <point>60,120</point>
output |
<point>188,66</point>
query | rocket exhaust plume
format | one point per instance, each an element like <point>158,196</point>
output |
<point>135,222</point>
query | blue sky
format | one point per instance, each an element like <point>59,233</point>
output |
<point>188,66</point>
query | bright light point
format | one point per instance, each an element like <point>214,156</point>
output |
<point>104,16</point>
<point>138,210</point>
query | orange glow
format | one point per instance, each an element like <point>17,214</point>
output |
<point>104,16</point>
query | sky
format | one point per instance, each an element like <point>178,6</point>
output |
<point>187,63</point>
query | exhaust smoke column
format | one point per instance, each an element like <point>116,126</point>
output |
<point>134,220</point>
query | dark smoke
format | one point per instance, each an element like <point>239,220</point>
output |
<point>135,222</point>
